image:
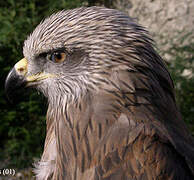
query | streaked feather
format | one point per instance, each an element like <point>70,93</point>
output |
<point>112,112</point>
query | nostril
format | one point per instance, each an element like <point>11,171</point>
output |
<point>20,69</point>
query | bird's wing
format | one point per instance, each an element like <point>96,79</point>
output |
<point>140,154</point>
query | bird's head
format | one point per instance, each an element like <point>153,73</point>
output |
<point>75,50</point>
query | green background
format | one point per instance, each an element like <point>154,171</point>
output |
<point>22,124</point>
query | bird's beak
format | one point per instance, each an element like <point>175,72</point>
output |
<point>17,78</point>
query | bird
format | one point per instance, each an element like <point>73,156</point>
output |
<point>112,113</point>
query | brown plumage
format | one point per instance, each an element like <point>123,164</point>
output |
<point>112,113</point>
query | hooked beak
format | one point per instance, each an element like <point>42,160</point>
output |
<point>17,78</point>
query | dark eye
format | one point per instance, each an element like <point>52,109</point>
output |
<point>58,57</point>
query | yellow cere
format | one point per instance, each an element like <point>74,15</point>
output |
<point>21,66</point>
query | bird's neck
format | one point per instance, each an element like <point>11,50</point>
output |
<point>80,128</point>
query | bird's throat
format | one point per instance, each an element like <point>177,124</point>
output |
<point>81,129</point>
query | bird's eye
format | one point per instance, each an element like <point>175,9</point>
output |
<point>58,57</point>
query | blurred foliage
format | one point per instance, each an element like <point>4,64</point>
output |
<point>106,3</point>
<point>22,125</point>
<point>182,72</point>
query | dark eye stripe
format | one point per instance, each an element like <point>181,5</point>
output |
<point>47,53</point>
